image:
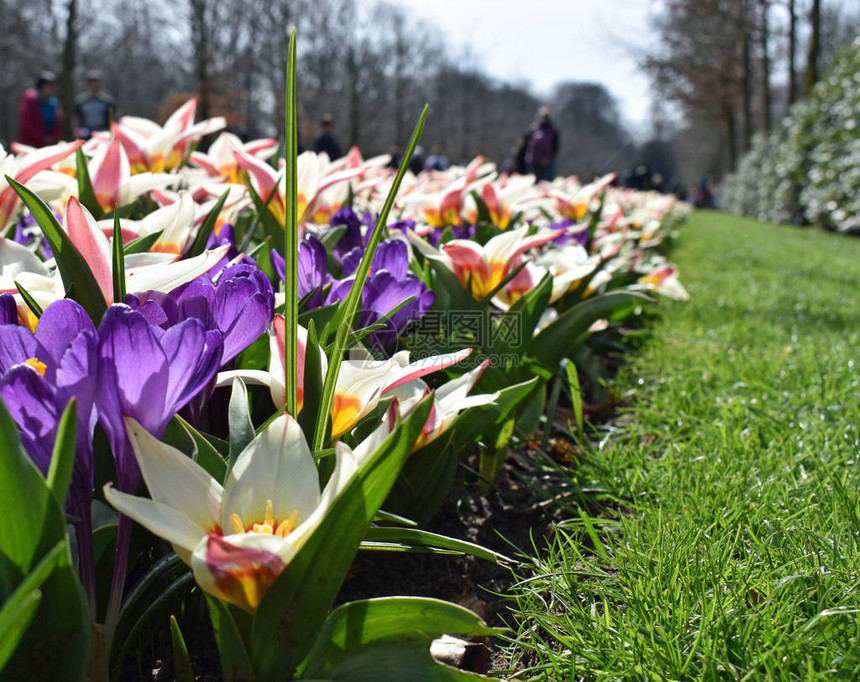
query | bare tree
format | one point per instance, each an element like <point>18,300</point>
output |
<point>814,45</point>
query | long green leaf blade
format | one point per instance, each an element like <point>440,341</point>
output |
<point>118,266</point>
<point>198,246</point>
<point>182,670</point>
<point>86,194</point>
<point>354,298</point>
<point>63,457</point>
<point>291,237</point>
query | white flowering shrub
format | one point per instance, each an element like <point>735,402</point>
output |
<point>808,168</point>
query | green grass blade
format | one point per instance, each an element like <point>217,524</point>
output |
<point>291,238</point>
<point>354,298</point>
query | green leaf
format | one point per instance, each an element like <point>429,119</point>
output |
<point>389,639</point>
<point>239,420</point>
<point>63,457</point>
<point>425,480</point>
<point>141,244</point>
<point>296,605</point>
<point>198,246</point>
<point>55,645</point>
<point>227,623</point>
<point>486,420</point>
<point>575,394</point>
<point>523,316</point>
<point>118,265</point>
<point>34,307</point>
<point>86,194</point>
<point>416,539</point>
<point>353,300</point>
<point>313,385</point>
<point>182,671</point>
<point>20,607</point>
<point>155,588</point>
<point>454,296</point>
<point>202,449</point>
<point>71,264</point>
<point>560,338</point>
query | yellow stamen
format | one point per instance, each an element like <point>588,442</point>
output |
<point>269,526</point>
<point>36,364</point>
<point>237,523</point>
<point>286,527</point>
<point>266,527</point>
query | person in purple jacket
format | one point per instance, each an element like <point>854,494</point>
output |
<point>40,118</point>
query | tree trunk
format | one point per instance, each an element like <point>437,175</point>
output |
<point>746,93</point>
<point>730,131</point>
<point>765,68</point>
<point>200,40</point>
<point>67,75</point>
<point>792,52</point>
<point>354,98</point>
<point>814,45</point>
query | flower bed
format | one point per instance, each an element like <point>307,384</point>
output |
<point>229,372</point>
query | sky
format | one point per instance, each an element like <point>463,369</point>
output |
<point>544,42</point>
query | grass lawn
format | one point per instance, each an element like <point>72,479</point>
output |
<point>727,544</point>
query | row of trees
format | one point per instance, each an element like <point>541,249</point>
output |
<point>735,67</point>
<point>373,67</point>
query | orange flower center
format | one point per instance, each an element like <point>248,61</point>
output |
<point>37,364</point>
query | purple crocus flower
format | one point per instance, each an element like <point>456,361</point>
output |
<point>353,236</point>
<point>312,270</point>
<point>148,373</point>
<point>39,374</point>
<point>42,372</point>
<point>8,309</point>
<point>389,283</point>
<point>225,234</point>
<point>580,237</point>
<point>239,303</point>
<point>457,232</point>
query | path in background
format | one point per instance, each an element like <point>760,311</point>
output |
<point>736,470</point>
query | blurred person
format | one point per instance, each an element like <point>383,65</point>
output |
<point>95,109</point>
<point>437,160</point>
<point>519,152</point>
<point>325,141</point>
<point>416,163</point>
<point>40,118</point>
<point>542,146</point>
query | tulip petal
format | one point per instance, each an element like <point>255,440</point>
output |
<point>276,466</point>
<point>175,479</point>
<point>165,521</point>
